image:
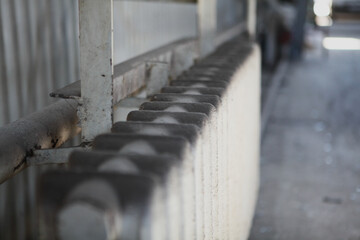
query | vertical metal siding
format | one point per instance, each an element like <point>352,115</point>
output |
<point>141,26</point>
<point>38,53</point>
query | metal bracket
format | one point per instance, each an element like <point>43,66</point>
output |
<point>52,156</point>
<point>157,74</point>
<point>71,91</point>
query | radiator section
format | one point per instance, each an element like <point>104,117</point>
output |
<point>184,165</point>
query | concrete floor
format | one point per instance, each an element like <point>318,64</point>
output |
<point>310,187</point>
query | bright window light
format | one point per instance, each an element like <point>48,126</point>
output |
<point>322,9</point>
<point>338,43</point>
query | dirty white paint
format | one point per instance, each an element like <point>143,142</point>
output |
<point>175,109</point>
<point>157,76</point>
<point>244,143</point>
<point>82,221</point>
<point>251,18</point>
<point>124,107</point>
<point>101,88</point>
<point>171,60</point>
<point>155,131</point>
<point>211,193</point>
<point>119,165</point>
<point>207,26</point>
<point>96,67</point>
<point>79,219</point>
<point>138,147</point>
<point>166,119</point>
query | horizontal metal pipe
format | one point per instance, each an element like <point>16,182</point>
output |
<point>48,128</point>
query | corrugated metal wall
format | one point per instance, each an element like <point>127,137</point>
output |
<point>39,53</point>
<point>141,26</point>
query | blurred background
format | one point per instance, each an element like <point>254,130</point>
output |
<point>311,92</point>
<point>310,158</point>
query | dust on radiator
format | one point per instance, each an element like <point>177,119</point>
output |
<point>183,166</point>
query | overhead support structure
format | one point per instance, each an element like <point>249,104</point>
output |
<point>96,67</point>
<point>251,18</point>
<point>207,26</point>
